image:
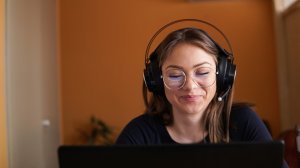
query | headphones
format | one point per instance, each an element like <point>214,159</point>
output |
<point>226,69</point>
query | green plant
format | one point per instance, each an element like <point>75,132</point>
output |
<point>98,133</point>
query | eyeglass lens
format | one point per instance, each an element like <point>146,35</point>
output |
<point>176,78</point>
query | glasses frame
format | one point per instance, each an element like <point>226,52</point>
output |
<point>185,79</point>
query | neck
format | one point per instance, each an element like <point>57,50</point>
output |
<point>187,128</point>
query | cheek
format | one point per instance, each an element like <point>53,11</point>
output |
<point>170,95</point>
<point>211,91</point>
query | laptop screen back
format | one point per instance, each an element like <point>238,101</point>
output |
<point>232,155</point>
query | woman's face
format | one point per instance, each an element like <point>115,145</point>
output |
<point>189,75</point>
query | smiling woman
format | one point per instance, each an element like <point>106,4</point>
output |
<point>181,75</point>
<point>189,79</point>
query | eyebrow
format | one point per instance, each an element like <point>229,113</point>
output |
<point>180,67</point>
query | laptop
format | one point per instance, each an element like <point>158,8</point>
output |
<point>232,155</point>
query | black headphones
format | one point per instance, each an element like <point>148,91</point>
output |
<point>226,69</point>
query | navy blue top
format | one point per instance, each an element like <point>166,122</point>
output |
<point>245,125</point>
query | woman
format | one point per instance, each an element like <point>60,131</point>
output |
<point>191,78</point>
<point>192,99</point>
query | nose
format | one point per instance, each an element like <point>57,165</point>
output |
<point>190,83</point>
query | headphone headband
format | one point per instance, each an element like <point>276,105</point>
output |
<point>230,54</point>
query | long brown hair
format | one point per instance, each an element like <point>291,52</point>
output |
<point>216,117</point>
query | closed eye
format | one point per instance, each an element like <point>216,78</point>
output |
<point>202,73</point>
<point>175,77</point>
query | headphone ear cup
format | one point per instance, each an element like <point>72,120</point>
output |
<point>221,69</point>
<point>147,79</point>
<point>152,76</point>
<point>226,74</point>
<point>230,77</point>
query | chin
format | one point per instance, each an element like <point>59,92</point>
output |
<point>193,109</point>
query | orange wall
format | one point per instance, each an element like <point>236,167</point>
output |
<point>102,46</point>
<point>3,142</point>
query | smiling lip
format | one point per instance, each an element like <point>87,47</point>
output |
<point>190,98</point>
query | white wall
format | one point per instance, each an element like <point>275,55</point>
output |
<point>287,23</point>
<point>32,83</point>
<point>292,29</point>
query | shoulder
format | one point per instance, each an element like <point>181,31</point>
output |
<point>246,125</point>
<point>140,130</point>
<point>143,121</point>
<point>243,112</point>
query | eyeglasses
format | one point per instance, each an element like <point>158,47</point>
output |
<point>176,78</point>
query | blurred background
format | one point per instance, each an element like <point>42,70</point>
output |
<point>69,67</point>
